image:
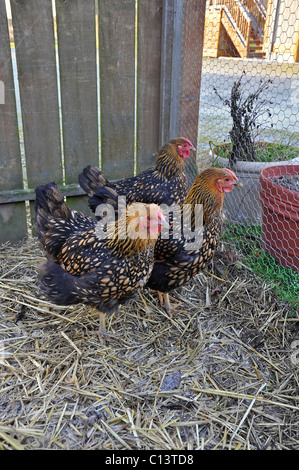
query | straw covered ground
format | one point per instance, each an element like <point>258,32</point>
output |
<point>223,373</point>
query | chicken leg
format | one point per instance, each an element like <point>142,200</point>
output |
<point>165,302</point>
<point>102,334</point>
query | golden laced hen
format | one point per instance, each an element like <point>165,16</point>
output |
<point>166,183</point>
<point>85,267</point>
<point>176,261</point>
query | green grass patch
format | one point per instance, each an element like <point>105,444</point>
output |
<point>265,152</point>
<point>248,240</point>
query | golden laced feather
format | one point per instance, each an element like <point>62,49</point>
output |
<point>204,191</point>
<point>169,163</point>
<point>126,237</point>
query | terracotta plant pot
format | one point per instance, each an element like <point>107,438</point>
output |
<point>280,216</point>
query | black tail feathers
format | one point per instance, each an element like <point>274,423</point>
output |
<point>57,284</point>
<point>91,179</point>
<point>49,199</point>
<point>102,197</point>
<point>98,188</point>
<point>49,203</point>
<point>54,221</point>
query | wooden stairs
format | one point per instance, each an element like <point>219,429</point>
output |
<point>237,22</point>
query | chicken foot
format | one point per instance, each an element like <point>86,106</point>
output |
<point>102,332</point>
<point>165,302</point>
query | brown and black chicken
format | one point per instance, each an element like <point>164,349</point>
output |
<point>175,263</point>
<point>166,183</point>
<point>83,266</point>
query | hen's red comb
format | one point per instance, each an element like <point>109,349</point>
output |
<point>188,141</point>
<point>232,174</point>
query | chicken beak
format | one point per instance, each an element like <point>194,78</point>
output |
<point>163,222</point>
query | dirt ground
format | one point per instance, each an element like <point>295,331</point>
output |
<point>222,373</point>
<point>288,182</point>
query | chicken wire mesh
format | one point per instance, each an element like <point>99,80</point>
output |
<point>255,44</point>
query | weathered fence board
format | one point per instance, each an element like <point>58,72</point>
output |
<point>115,116</point>
<point>117,83</point>
<point>148,81</point>
<point>170,68</point>
<point>78,85</point>
<point>12,216</point>
<point>191,65</point>
<point>35,52</point>
<point>78,82</point>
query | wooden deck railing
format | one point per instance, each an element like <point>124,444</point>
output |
<point>258,11</point>
<point>238,14</point>
<point>246,17</point>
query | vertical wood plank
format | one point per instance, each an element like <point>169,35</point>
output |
<point>176,71</point>
<point>78,81</point>
<point>170,68</point>
<point>117,86</point>
<point>166,60</point>
<point>182,45</point>
<point>12,216</point>
<point>191,66</point>
<point>35,52</point>
<point>148,81</point>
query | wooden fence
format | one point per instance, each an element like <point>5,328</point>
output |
<point>101,82</point>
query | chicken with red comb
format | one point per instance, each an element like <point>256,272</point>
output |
<point>175,261</point>
<point>165,183</point>
<point>103,268</point>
